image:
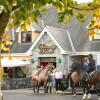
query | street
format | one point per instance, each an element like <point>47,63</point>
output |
<point>27,94</point>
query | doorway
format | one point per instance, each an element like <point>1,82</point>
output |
<point>45,60</point>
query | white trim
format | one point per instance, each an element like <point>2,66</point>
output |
<point>84,53</point>
<point>70,41</point>
<point>32,28</point>
<point>35,43</point>
<point>38,39</point>
<point>61,49</point>
<point>47,55</point>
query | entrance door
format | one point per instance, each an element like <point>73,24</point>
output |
<point>45,60</point>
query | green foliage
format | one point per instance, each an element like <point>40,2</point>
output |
<point>5,75</point>
<point>30,10</point>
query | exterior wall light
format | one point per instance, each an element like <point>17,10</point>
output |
<point>32,60</point>
<point>59,60</point>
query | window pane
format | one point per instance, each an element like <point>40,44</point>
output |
<point>26,36</point>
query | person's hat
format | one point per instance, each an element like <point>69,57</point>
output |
<point>85,58</point>
<point>90,55</point>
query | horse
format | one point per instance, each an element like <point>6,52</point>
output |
<point>94,80</point>
<point>79,76</point>
<point>41,77</point>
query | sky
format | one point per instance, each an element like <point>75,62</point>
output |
<point>84,1</point>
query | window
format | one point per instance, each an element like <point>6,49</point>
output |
<point>97,38</point>
<point>26,36</point>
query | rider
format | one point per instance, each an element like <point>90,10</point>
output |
<point>75,67</point>
<point>85,64</point>
<point>39,69</point>
<point>91,66</point>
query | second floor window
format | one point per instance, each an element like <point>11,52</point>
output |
<point>26,36</point>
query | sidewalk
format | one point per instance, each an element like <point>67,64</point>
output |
<point>30,90</point>
<point>26,90</point>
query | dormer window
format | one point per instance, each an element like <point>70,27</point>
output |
<point>26,36</point>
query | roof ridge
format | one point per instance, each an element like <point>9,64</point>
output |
<point>56,28</point>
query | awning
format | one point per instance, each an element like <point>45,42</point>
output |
<point>5,62</point>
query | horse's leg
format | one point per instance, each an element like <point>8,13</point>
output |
<point>34,86</point>
<point>97,91</point>
<point>73,90</point>
<point>88,90</point>
<point>50,87</point>
<point>85,86</point>
<point>38,86</point>
<point>45,86</point>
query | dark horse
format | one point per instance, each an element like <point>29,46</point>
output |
<point>80,76</point>
<point>41,77</point>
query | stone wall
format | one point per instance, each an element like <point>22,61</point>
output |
<point>16,83</point>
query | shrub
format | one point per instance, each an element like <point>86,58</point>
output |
<point>5,75</point>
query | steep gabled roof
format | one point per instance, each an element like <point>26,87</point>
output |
<point>59,37</point>
<point>92,46</point>
<point>20,47</point>
<point>78,31</point>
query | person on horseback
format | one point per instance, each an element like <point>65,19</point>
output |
<point>75,67</point>
<point>39,69</point>
<point>91,64</point>
<point>85,64</point>
<point>91,67</point>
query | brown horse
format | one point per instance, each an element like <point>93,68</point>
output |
<point>94,80</point>
<point>41,77</point>
<point>78,76</point>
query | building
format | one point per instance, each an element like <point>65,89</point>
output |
<point>52,42</point>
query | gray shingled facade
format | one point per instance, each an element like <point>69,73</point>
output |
<point>78,33</point>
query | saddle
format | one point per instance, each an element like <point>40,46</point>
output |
<point>38,71</point>
<point>91,74</point>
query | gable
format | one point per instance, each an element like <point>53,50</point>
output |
<point>45,38</point>
<point>45,46</point>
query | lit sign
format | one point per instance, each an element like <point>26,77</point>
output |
<point>44,49</point>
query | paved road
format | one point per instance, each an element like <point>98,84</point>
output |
<point>28,95</point>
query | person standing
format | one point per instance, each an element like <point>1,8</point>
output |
<point>53,78</point>
<point>58,77</point>
<point>9,71</point>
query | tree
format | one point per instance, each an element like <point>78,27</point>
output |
<point>30,10</point>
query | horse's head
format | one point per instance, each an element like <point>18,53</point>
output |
<point>50,67</point>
